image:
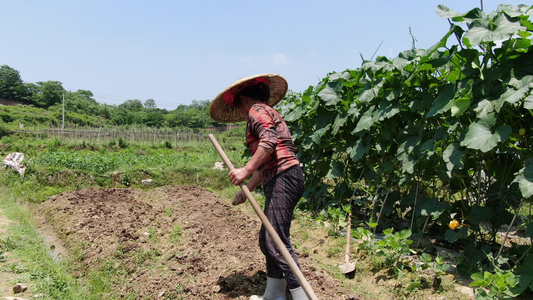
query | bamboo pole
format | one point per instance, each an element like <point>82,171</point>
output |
<point>268,226</point>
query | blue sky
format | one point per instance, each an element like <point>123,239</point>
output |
<point>178,51</point>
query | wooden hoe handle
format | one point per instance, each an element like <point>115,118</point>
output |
<point>281,247</point>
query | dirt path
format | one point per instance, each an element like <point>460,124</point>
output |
<point>6,278</point>
<point>170,242</point>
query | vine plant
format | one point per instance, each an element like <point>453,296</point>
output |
<point>441,133</point>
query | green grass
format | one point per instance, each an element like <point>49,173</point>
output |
<point>29,257</point>
<point>54,166</point>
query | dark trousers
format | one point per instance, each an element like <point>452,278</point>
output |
<point>282,193</point>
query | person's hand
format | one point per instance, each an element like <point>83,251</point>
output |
<point>239,198</point>
<point>236,176</point>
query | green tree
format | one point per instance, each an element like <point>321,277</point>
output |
<point>46,93</point>
<point>106,111</point>
<point>82,102</point>
<point>32,89</point>
<point>195,115</point>
<point>176,118</point>
<point>11,85</point>
<point>118,116</point>
<point>154,118</point>
<point>200,104</point>
<point>132,105</point>
<point>150,104</point>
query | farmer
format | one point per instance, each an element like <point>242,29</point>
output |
<point>273,164</point>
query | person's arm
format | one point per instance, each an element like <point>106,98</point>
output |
<point>254,182</point>
<point>236,176</point>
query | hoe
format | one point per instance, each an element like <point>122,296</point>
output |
<point>281,247</point>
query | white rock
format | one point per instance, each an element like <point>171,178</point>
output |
<point>219,166</point>
<point>146,181</point>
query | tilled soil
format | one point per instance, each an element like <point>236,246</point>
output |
<point>173,242</point>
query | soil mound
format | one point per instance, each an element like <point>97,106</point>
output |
<point>174,242</point>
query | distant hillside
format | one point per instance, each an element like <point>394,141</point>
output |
<point>41,104</point>
<point>12,115</point>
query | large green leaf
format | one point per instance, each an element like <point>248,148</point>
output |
<point>525,179</point>
<point>483,108</point>
<point>516,11</point>
<point>525,34</point>
<point>510,96</point>
<point>329,95</point>
<point>336,169</point>
<point>387,110</point>
<point>358,149</point>
<point>519,83</point>
<point>452,236</point>
<point>443,102</point>
<point>392,94</point>
<point>480,137</point>
<point>366,121</point>
<point>432,207</point>
<point>459,106</point>
<point>471,16</point>
<point>404,151</point>
<point>463,98</point>
<point>324,117</point>
<point>428,147</point>
<point>377,66</point>
<point>528,101</point>
<point>452,157</point>
<point>370,93</point>
<point>317,135</point>
<point>340,120</point>
<point>445,12</point>
<point>524,87</point>
<point>341,75</point>
<point>400,63</point>
<point>484,31</point>
<point>294,114</point>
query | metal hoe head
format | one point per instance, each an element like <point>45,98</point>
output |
<point>348,267</point>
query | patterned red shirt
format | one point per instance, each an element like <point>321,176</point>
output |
<point>266,128</point>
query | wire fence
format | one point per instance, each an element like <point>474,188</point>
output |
<point>102,135</point>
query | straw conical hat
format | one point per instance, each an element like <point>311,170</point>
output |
<point>222,108</point>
